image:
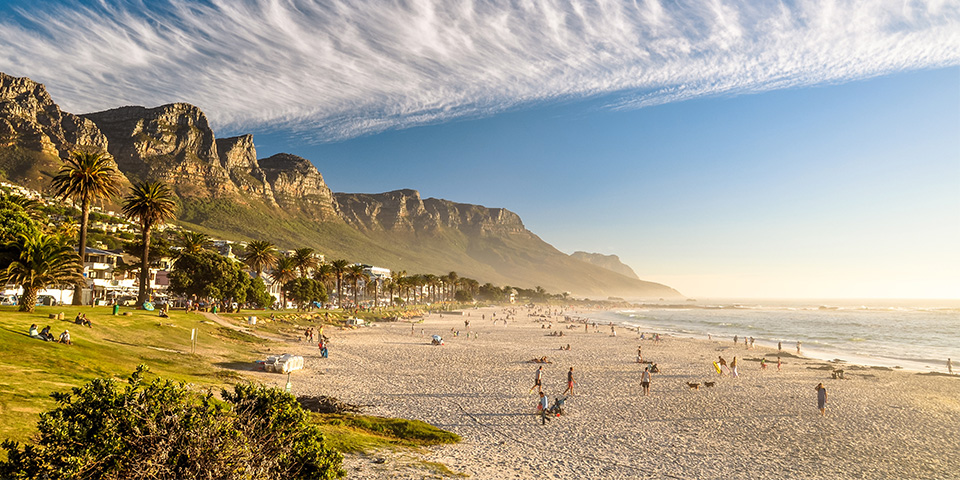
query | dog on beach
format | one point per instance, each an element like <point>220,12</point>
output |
<point>693,386</point>
<point>709,384</point>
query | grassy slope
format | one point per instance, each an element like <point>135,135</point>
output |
<point>32,369</point>
<point>522,260</point>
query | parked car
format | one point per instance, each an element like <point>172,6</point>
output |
<point>9,300</point>
<point>127,301</point>
<point>46,300</point>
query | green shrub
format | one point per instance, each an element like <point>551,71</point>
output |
<point>162,429</point>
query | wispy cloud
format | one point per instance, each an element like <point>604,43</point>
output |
<point>341,68</point>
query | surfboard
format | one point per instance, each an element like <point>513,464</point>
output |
<point>717,366</point>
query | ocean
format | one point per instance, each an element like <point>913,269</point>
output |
<point>915,335</point>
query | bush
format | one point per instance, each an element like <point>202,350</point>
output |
<point>164,430</point>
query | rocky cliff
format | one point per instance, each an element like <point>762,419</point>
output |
<point>405,211</point>
<point>35,134</point>
<point>238,155</point>
<point>171,143</point>
<point>610,262</point>
<point>297,184</point>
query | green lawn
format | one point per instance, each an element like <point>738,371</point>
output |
<point>32,369</point>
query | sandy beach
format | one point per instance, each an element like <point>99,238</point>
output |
<point>879,423</point>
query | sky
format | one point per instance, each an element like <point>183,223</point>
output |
<point>792,149</point>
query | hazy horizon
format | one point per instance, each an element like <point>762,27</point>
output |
<point>740,149</point>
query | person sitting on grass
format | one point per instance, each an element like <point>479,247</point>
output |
<point>46,335</point>
<point>34,332</point>
<point>65,337</point>
<point>82,320</point>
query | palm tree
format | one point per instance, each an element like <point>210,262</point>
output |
<point>305,260</point>
<point>324,274</point>
<point>151,204</point>
<point>373,288</point>
<point>284,270</point>
<point>194,242</point>
<point>430,281</point>
<point>355,274</point>
<point>85,178</point>
<point>453,278</point>
<point>396,282</point>
<point>30,206</point>
<point>258,255</point>
<point>339,267</point>
<point>42,260</point>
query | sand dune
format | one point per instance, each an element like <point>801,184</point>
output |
<point>764,424</point>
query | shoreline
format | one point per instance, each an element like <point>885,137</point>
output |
<point>840,342</point>
<point>879,423</point>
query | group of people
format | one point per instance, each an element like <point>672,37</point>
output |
<point>543,402</point>
<point>82,320</point>
<point>46,336</point>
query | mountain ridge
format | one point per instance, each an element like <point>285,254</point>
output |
<point>225,190</point>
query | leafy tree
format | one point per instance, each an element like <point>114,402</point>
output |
<point>305,291</point>
<point>160,247</point>
<point>490,292</point>
<point>209,275</point>
<point>463,296</point>
<point>86,178</point>
<point>258,255</point>
<point>257,293</point>
<point>150,203</point>
<point>41,261</point>
<point>164,429</point>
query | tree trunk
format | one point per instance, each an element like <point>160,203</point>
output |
<point>82,249</point>
<point>28,300</point>
<point>144,267</point>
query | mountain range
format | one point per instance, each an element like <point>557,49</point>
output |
<point>225,190</point>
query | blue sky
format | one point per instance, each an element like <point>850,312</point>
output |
<point>728,149</point>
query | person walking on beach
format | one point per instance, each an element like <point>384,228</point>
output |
<point>722,363</point>
<point>537,380</point>
<point>798,347</point>
<point>950,366</point>
<point>570,382</point>
<point>735,337</point>
<point>778,363</point>
<point>645,381</point>
<point>779,346</point>
<point>639,354</point>
<point>821,399</point>
<point>733,367</point>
